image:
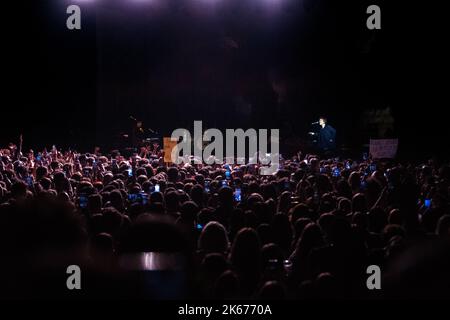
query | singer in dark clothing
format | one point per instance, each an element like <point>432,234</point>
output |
<point>326,137</point>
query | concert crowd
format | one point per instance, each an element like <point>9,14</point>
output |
<point>139,227</point>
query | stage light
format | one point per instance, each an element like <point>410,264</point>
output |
<point>82,1</point>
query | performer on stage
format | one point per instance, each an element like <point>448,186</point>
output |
<point>326,137</point>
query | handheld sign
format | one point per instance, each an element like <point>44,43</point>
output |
<point>383,148</point>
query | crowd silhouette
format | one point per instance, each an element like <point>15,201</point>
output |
<point>139,227</point>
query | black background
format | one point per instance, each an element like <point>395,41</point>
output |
<point>172,66</point>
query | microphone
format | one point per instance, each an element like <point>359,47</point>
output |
<point>132,118</point>
<point>317,122</point>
